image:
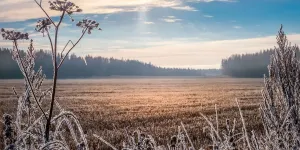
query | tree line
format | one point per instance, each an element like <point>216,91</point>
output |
<point>92,67</point>
<point>248,65</point>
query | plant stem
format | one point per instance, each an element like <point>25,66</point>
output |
<point>40,5</point>
<point>27,79</point>
<point>71,48</point>
<point>55,70</point>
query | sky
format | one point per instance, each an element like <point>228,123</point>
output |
<point>168,33</point>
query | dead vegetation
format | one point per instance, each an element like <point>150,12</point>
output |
<point>109,107</point>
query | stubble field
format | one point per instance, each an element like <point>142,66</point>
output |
<point>156,106</point>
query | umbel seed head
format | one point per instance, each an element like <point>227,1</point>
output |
<point>64,5</point>
<point>43,25</point>
<point>13,35</point>
<point>89,25</point>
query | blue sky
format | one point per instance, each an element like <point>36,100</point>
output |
<point>169,33</point>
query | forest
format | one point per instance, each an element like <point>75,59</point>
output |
<point>92,67</point>
<point>248,65</point>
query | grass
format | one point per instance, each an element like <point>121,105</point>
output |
<point>109,107</point>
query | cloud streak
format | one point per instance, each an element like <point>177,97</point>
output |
<point>171,19</point>
<point>21,10</point>
<point>237,27</point>
<point>208,16</point>
<point>148,22</point>
<point>186,8</point>
<point>208,1</point>
<point>196,54</point>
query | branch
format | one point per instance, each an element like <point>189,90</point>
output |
<point>27,79</point>
<point>71,48</point>
<point>65,47</point>
<point>15,92</point>
<point>101,139</point>
<point>40,5</point>
<point>48,124</point>
<point>182,125</point>
<point>61,18</point>
<point>50,40</point>
<point>56,34</point>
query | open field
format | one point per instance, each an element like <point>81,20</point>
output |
<point>154,105</point>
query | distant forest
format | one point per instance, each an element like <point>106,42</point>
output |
<point>248,65</point>
<point>93,67</point>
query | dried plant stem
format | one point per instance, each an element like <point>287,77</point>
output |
<point>55,71</point>
<point>40,5</point>
<point>66,47</point>
<point>187,135</point>
<point>51,43</point>
<point>244,125</point>
<point>27,79</point>
<point>104,141</point>
<point>61,62</point>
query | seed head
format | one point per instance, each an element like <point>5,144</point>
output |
<point>43,25</point>
<point>89,25</point>
<point>64,5</point>
<point>13,35</point>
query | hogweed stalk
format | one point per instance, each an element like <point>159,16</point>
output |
<point>35,127</point>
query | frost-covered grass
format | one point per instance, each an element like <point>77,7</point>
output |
<point>107,107</point>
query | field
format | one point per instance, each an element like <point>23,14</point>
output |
<point>156,106</point>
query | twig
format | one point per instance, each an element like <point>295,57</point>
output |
<point>182,125</point>
<point>71,48</point>
<point>65,47</point>
<point>244,126</point>
<point>217,120</point>
<point>40,5</point>
<point>15,92</point>
<point>51,43</point>
<point>108,144</point>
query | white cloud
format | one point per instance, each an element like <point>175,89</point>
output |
<point>208,16</point>
<point>207,1</point>
<point>171,19</point>
<point>62,24</point>
<point>171,16</point>
<point>106,17</point>
<point>148,22</point>
<point>237,27</point>
<point>18,10</point>
<point>196,54</point>
<point>147,33</point>
<point>186,8</point>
